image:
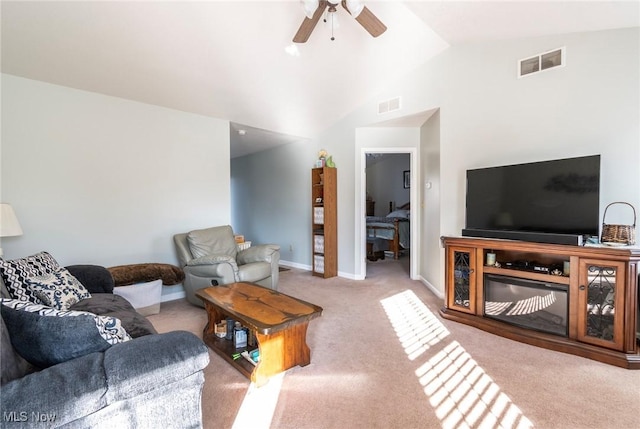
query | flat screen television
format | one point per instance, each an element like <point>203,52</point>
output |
<point>555,201</point>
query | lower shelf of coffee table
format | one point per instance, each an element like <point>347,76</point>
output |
<point>226,350</point>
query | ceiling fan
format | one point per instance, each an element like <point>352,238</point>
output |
<point>314,9</point>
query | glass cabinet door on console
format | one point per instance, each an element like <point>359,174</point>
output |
<point>461,279</point>
<point>601,303</point>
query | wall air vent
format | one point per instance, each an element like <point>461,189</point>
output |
<point>389,105</point>
<point>541,62</point>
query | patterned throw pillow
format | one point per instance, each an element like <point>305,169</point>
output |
<point>16,272</point>
<point>58,289</point>
<point>45,336</point>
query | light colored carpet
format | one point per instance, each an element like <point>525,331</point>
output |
<point>381,357</point>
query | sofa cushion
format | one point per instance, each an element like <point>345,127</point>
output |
<point>13,365</point>
<point>45,336</point>
<point>169,365</point>
<point>96,278</point>
<point>151,382</point>
<point>58,289</point>
<point>217,240</point>
<point>16,272</point>
<point>107,304</point>
<point>65,392</point>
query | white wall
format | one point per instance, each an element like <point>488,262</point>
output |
<point>98,179</point>
<point>590,106</point>
<point>432,254</point>
<point>490,117</point>
<point>338,140</point>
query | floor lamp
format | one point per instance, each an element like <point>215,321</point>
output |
<point>9,225</point>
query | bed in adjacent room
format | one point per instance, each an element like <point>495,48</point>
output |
<point>389,233</point>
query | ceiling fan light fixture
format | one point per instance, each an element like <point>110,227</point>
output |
<point>309,7</point>
<point>355,7</point>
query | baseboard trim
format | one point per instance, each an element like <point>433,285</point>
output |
<point>305,267</point>
<point>290,264</point>
<point>437,292</point>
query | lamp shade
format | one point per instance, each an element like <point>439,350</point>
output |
<point>9,225</point>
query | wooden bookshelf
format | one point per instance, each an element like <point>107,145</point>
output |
<point>324,222</point>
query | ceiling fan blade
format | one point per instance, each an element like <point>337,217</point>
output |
<point>307,26</point>
<point>368,20</point>
<point>371,23</point>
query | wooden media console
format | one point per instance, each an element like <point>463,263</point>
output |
<point>597,284</point>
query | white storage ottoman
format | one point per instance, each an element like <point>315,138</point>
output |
<point>145,297</point>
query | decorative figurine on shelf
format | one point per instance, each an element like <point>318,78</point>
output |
<point>324,159</point>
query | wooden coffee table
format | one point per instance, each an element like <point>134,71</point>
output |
<point>279,322</point>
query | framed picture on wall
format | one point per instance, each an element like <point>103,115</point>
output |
<point>406,179</point>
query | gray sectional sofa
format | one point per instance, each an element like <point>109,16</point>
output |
<point>150,381</point>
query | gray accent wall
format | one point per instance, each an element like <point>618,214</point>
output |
<point>271,200</point>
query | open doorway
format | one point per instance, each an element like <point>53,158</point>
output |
<point>388,206</point>
<point>387,198</point>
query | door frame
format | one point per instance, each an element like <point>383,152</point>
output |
<point>415,207</point>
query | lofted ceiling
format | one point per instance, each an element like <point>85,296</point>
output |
<point>235,60</point>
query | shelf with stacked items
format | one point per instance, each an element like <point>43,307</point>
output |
<point>237,343</point>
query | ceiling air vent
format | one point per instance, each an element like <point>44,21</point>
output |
<point>541,62</point>
<point>389,105</point>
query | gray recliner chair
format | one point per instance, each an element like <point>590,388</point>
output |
<point>212,254</point>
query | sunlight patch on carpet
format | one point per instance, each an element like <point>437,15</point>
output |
<point>460,392</point>
<point>417,328</point>
<point>259,405</point>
